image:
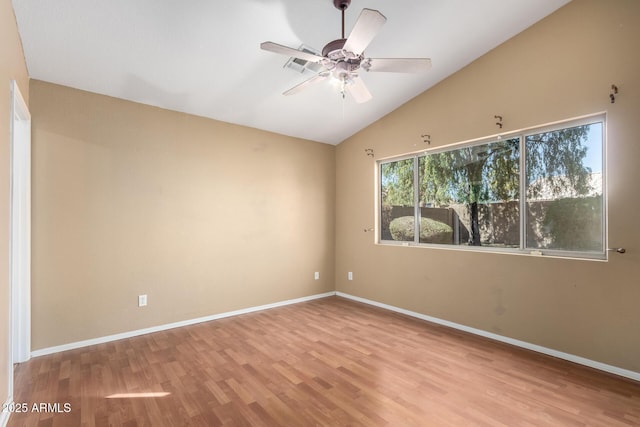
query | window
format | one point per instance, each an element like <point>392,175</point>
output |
<point>540,190</point>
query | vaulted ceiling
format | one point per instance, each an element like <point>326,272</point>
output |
<point>204,57</point>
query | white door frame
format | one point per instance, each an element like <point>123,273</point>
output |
<point>20,251</point>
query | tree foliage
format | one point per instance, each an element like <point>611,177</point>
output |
<point>556,154</point>
<point>397,183</point>
<point>472,174</point>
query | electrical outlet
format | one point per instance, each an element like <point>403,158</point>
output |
<point>142,300</point>
<point>350,275</point>
<point>316,275</point>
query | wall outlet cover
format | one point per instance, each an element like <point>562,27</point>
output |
<point>142,300</point>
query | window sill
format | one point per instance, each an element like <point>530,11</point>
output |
<point>577,256</point>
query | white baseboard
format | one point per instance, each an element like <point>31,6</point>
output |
<point>523,344</point>
<point>130,334</point>
<point>4,416</point>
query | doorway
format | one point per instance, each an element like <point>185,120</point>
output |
<point>20,249</point>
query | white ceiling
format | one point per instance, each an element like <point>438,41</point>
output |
<point>203,57</point>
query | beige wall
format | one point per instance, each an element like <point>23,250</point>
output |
<point>12,67</point>
<point>560,68</point>
<point>202,216</point>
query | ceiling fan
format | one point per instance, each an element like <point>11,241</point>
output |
<point>344,57</point>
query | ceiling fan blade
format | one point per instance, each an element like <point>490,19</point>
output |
<point>313,80</point>
<point>358,90</point>
<point>289,51</point>
<point>365,29</point>
<point>397,65</point>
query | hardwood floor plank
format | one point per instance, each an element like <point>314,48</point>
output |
<point>327,362</point>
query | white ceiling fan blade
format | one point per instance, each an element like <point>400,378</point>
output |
<point>358,90</point>
<point>289,51</point>
<point>397,65</point>
<point>313,80</point>
<point>365,29</point>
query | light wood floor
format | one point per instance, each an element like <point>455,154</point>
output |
<point>328,362</point>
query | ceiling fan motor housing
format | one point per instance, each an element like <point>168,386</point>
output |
<point>333,49</point>
<point>335,52</point>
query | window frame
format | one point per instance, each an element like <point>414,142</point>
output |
<point>522,134</point>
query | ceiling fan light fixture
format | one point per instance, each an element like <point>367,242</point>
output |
<point>343,71</point>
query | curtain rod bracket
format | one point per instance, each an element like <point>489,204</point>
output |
<point>614,92</point>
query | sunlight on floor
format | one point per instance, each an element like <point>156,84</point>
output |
<point>135,395</point>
